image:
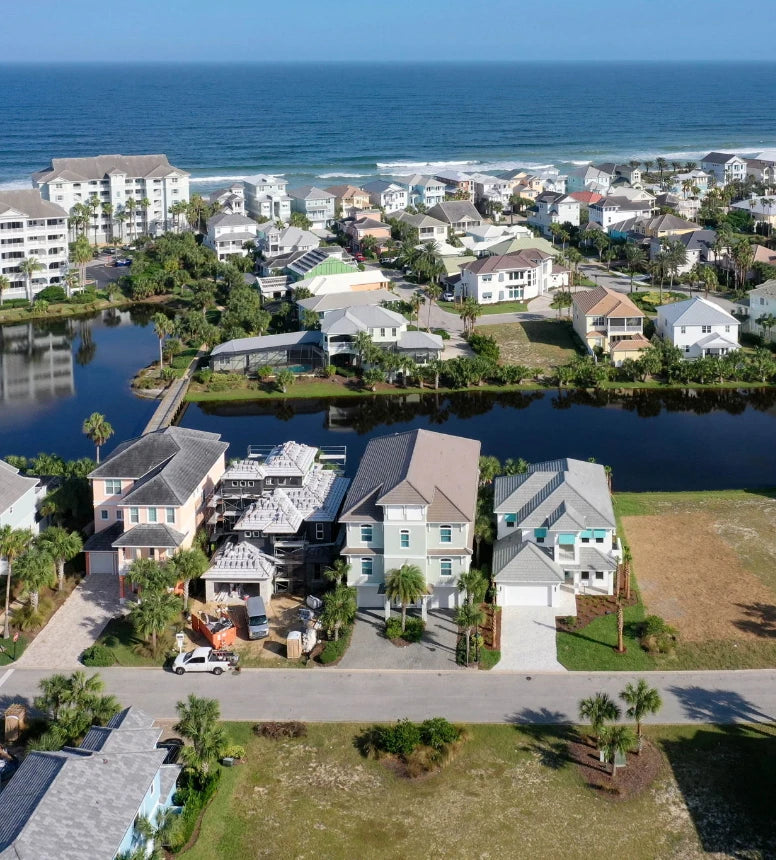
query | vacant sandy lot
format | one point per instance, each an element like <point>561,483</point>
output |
<point>691,570</point>
<point>540,344</point>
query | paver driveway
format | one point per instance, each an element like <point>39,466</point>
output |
<point>75,625</point>
<point>369,649</point>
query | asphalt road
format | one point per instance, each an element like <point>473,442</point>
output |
<point>332,695</point>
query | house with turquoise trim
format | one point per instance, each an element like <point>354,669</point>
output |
<point>555,532</point>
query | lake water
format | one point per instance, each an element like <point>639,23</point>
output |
<point>53,376</point>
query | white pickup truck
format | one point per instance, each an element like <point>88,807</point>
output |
<point>204,660</point>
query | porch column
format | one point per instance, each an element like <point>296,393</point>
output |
<point>424,608</point>
<point>387,609</point>
<point>121,589</point>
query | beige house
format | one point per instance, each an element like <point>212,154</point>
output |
<point>349,199</point>
<point>603,318</point>
<point>150,496</point>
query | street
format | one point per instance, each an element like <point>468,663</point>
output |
<point>333,695</point>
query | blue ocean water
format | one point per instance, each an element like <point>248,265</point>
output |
<point>336,122</point>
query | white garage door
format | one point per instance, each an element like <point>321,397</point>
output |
<point>369,598</point>
<point>444,598</point>
<point>102,562</point>
<point>525,595</point>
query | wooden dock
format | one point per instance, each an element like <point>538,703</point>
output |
<point>172,405</point>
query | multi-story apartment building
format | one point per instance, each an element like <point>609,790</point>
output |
<point>508,277</point>
<point>407,506</point>
<point>142,187</point>
<point>31,228</point>
<point>150,496</point>
<point>315,203</point>
<point>266,197</point>
<point>555,532</point>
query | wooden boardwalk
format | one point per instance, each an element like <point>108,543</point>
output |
<point>172,404</point>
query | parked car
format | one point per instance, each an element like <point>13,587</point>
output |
<point>358,257</point>
<point>204,660</point>
<point>448,296</point>
<point>123,261</point>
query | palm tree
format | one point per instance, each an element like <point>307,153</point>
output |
<point>641,700</point>
<point>151,615</point>
<point>97,428</point>
<point>4,285</point>
<point>406,585</point>
<point>364,345</point>
<point>28,267</point>
<point>561,300</point>
<point>469,311</point>
<point>13,542</point>
<point>62,546</point>
<point>163,327</point>
<point>338,571</point>
<point>515,467</point>
<point>198,723</point>
<point>130,205</point>
<point>35,569</point>
<point>614,741</point>
<point>107,211</point>
<point>469,617</point>
<point>188,564</point>
<point>636,259</point>
<point>597,710</point>
<point>620,649</point>
<point>148,575</point>
<point>81,254</point>
<point>767,322</point>
<point>339,608</point>
<point>433,293</point>
<point>483,531</point>
<point>121,219</point>
<point>474,583</point>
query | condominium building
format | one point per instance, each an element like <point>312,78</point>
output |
<point>266,197</point>
<point>31,228</point>
<point>121,184</point>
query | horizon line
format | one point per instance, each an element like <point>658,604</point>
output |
<point>391,62</point>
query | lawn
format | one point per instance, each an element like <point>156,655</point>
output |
<point>317,797</point>
<point>498,308</point>
<point>120,637</point>
<point>540,344</point>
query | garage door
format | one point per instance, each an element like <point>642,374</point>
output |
<point>443,598</point>
<point>102,562</point>
<point>525,595</point>
<point>369,598</point>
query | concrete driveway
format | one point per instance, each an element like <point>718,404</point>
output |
<point>528,636</point>
<point>369,649</point>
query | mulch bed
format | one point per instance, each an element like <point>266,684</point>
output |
<point>590,607</point>
<point>641,771</point>
<point>491,629</point>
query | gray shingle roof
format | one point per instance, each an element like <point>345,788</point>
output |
<point>524,563</point>
<point>335,301</point>
<point>309,192</point>
<point>175,459</point>
<point>412,468</point>
<point>13,486</point>
<point>150,534</point>
<point>695,311</point>
<point>420,340</point>
<point>556,489</point>
<point>718,157</point>
<point>103,541</point>
<point>100,166</point>
<point>530,258</point>
<point>453,211</point>
<point>226,219</point>
<point>30,203</point>
<point>268,341</point>
<point>360,318</point>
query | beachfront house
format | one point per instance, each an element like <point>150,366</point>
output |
<point>511,277</point>
<point>490,190</point>
<point>388,196</point>
<point>150,496</point>
<point>230,200</point>
<point>685,183</point>
<point>555,533</point>
<point>229,234</point>
<point>425,190</point>
<point>314,203</point>
<point>407,506</point>
<point>604,319</point>
<point>589,178</point>
<point>31,227</point>
<point>698,327</point>
<point>89,800</point>
<point>554,208</point>
<point>724,167</point>
<point>266,198</point>
<point>457,182</point>
<point>459,215</point>
<point>150,180</point>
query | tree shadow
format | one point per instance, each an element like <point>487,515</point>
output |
<point>760,619</point>
<point>541,720</point>
<point>549,733</point>
<point>726,708</point>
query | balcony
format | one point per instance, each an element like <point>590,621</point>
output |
<point>339,348</point>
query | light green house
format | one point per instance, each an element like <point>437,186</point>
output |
<point>321,261</point>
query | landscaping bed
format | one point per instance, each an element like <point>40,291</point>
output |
<point>637,776</point>
<point>590,607</point>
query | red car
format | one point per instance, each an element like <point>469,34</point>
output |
<point>358,257</point>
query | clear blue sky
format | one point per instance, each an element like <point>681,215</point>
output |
<point>240,30</point>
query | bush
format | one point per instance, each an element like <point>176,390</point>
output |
<point>393,628</point>
<point>54,293</point>
<point>84,298</point>
<point>194,795</point>
<point>399,739</point>
<point>280,731</point>
<point>657,637</point>
<point>145,383</point>
<point>437,732</point>
<point>332,651</point>
<point>233,751</point>
<point>413,631</point>
<point>203,376</point>
<point>484,345</point>
<point>98,655</point>
<point>445,335</point>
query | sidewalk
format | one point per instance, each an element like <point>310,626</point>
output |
<point>75,625</point>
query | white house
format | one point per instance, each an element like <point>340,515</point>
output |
<point>18,499</point>
<point>683,183</point>
<point>230,200</point>
<point>429,229</point>
<point>518,276</point>
<point>479,239</point>
<point>406,505</point>
<point>614,210</point>
<point>553,208</point>
<point>724,167</point>
<point>315,203</point>
<point>227,234</point>
<point>426,190</point>
<point>31,228</point>
<point>388,196</point>
<point>277,241</point>
<point>114,180</point>
<point>762,303</point>
<point>491,189</point>
<point>698,327</point>
<point>555,532</point>
<point>266,197</point>
<point>589,178</point>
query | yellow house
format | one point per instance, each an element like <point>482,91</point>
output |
<point>603,318</point>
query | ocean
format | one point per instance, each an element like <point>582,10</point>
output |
<point>334,123</point>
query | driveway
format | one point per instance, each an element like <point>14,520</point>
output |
<point>528,636</point>
<point>75,625</point>
<point>369,649</point>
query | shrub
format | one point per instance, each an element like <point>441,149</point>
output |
<point>393,628</point>
<point>203,376</point>
<point>264,372</point>
<point>194,795</point>
<point>84,298</point>
<point>657,637</point>
<point>53,293</point>
<point>484,345</point>
<point>280,731</point>
<point>437,732</point>
<point>328,371</point>
<point>168,373</point>
<point>445,335</point>
<point>413,631</point>
<point>332,651</point>
<point>399,739</point>
<point>233,751</point>
<point>98,655</point>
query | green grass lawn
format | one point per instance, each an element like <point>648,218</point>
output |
<point>592,647</point>
<point>10,650</point>
<point>538,344</point>
<point>317,796</point>
<point>498,308</point>
<point>120,637</point>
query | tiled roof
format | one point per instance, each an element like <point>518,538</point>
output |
<point>630,344</point>
<point>241,561</point>
<point>603,302</point>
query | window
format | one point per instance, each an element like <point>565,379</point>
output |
<point>404,539</point>
<point>119,514</point>
<point>445,534</point>
<point>683,329</point>
<point>510,520</point>
<point>319,531</point>
<point>171,516</point>
<point>599,576</point>
<point>687,347</point>
<point>382,332</point>
<point>487,297</point>
<point>445,567</point>
<point>727,328</point>
<point>152,515</point>
<point>599,535</point>
<point>366,567</point>
<point>112,488</point>
<point>134,515</point>
<point>366,534</point>
<point>705,329</point>
<point>540,535</point>
<point>103,514</point>
<point>585,576</point>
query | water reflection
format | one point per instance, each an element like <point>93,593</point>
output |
<point>35,363</point>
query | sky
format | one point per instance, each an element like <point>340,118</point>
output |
<point>384,30</point>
